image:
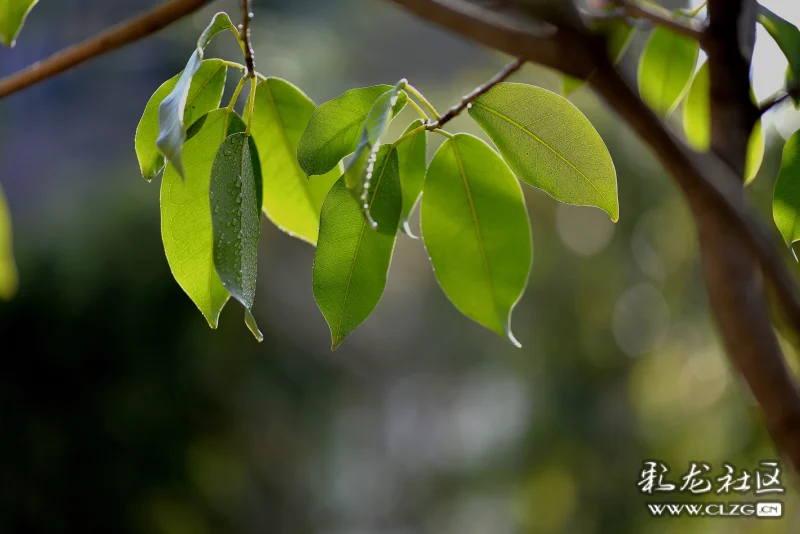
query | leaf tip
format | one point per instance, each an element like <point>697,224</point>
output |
<point>513,340</point>
<point>407,230</point>
<point>250,321</point>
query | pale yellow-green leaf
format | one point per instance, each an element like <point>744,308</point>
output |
<point>186,227</point>
<point>291,200</point>
<point>8,271</point>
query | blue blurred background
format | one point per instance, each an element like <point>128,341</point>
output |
<point>120,411</point>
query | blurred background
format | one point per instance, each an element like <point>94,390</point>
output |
<point>121,411</point>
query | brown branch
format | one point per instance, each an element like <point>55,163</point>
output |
<point>733,278</point>
<point>244,36</point>
<point>712,185</point>
<point>107,41</point>
<point>549,47</point>
<point>456,110</point>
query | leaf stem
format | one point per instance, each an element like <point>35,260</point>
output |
<point>236,92</point>
<point>252,104</point>
<point>419,110</point>
<point>410,134</point>
<point>443,132</point>
<point>233,65</point>
<point>413,90</point>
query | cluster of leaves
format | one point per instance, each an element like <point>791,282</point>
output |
<point>286,157</point>
<point>669,74</point>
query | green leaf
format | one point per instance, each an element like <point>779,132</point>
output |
<point>335,128</point>
<point>205,93</point>
<point>476,231</point>
<point>172,132</point>
<point>549,144</point>
<point>352,259</point>
<point>8,271</point>
<point>697,124</point>
<point>291,200</point>
<point>697,113</point>
<point>666,68</point>
<point>786,200</point>
<point>412,154</point>
<point>755,153</point>
<point>186,227</point>
<point>618,37</point>
<point>787,36</point>
<point>236,219</point>
<point>12,16</point>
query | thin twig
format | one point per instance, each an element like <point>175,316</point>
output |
<point>690,28</point>
<point>244,36</point>
<point>107,41</point>
<point>779,99</point>
<point>456,110</point>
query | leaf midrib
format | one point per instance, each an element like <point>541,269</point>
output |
<point>541,141</point>
<point>474,213</point>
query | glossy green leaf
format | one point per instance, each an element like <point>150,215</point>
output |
<point>618,37</point>
<point>412,155</point>
<point>171,123</point>
<point>291,200</point>
<point>352,260</point>
<point>8,270</point>
<point>666,68</point>
<point>549,144</point>
<point>697,113</point>
<point>786,200</point>
<point>786,35</point>
<point>476,231</point>
<point>186,227</point>
<point>12,16</point>
<point>334,128</point>
<point>236,219</point>
<point>697,124</point>
<point>205,93</point>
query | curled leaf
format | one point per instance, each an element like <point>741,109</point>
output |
<point>205,93</point>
